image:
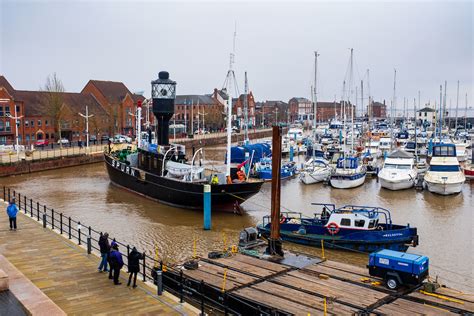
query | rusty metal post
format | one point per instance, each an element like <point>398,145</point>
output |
<point>274,242</point>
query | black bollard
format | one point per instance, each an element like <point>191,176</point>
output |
<point>44,220</point>
<point>159,281</point>
<point>79,230</point>
<point>89,245</point>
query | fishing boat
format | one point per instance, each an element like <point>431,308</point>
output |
<point>348,174</point>
<point>350,227</point>
<point>444,175</point>
<point>315,170</point>
<point>295,132</point>
<point>469,171</point>
<point>399,171</point>
<point>263,169</point>
<point>160,171</point>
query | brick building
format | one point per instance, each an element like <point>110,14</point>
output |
<point>38,122</point>
<point>238,109</point>
<point>379,110</point>
<point>304,109</point>
<point>118,102</point>
<point>269,112</point>
<point>205,109</point>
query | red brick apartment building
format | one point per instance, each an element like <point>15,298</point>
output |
<point>109,102</point>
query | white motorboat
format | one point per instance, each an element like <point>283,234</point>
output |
<point>348,174</point>
<point>399,171</point>
<point>444,175</point>
<point>385,145</point>
<point>295,132</point>
<point>372,148</point>
<point>315,170</point>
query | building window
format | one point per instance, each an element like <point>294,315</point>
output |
<point>17,109</point>
<point>1,111</point>
<point>7,110</point>
<point>345,222</point>
<point>2,127</point>
<point>426,114</point>
<point>7,126</point>
<point>27,123</point>
<point>39,122</point>
<point>46,123</point>
<point>32,123</point>
<point>51,135</point>
<point>32,137</point>
<point>27,138</point>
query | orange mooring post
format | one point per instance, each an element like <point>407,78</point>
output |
<point>274,242</point>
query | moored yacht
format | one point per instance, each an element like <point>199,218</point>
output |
<point>348,174</point>
<point>315,170</point>
<point>444,175</point>
<point>399,171</point>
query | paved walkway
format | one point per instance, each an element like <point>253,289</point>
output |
<point>69,277</point>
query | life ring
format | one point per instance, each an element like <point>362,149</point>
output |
<point>332,228</point>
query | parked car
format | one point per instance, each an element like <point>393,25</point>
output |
<point>92,138</point>
<point>104,137</point>
<point>41,143</point>
<point>121,139</point>
<point>201,132</point>
<point>63,141</point>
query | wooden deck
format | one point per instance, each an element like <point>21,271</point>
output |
<point>69,277</point>
<point>300,291</point>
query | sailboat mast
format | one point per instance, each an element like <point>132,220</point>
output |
<point>349,100</point>
<point>315,97</point>
<point>465,114</point>
<point>416,142</point>
<point>392,106</point>
<point>369,108</point>
<point>230,76</point>
<point>457,105</point>
<point>246,108</point>
<point>444,106</point>
<point>440,110</point>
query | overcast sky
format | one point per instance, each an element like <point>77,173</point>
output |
<point>130,41</point>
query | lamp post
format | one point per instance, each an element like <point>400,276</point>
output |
<point>17,123</point>
<point>87,116</point>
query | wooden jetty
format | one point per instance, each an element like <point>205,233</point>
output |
<point>337,288</point>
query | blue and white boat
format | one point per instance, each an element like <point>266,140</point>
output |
<point>263,169</point>
<point>348,174</point>
<point>351,227</point>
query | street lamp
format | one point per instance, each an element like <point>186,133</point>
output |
<point>17,123</point>
<point>87,116</point>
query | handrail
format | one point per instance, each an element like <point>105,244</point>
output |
<point>164,160</point>
<point>192,162</point>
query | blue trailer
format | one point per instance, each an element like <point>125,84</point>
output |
<point>398,268</point>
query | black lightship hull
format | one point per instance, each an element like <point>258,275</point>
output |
<point>224,197</point>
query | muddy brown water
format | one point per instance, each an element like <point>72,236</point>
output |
<point>445,223</point>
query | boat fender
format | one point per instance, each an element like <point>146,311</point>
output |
<point>332,228</point>
<point>215,254</point>
<point>191,265</point>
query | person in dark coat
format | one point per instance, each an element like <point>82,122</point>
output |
<point>134,266</point>
<point>12,210</point>
<point>116,262</point>
<point>111,268</point>
<point>104,251</point>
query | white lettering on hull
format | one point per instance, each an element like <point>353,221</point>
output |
<point>123,167</point>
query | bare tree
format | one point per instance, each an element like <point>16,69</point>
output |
<point>53,101</point>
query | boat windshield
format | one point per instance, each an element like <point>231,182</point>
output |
<point>395,166</point>
<point>444,151</point>
<point>444,168</point>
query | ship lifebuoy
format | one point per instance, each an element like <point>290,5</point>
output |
<point>333,228</point>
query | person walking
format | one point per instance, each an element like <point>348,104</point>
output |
<point>134,266</point>
<point>111,268</point>
<point>104,251</point>
<point>116,263</point>
<point>12,210</point>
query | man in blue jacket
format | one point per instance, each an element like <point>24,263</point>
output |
<point>12,210</point>
<point>116,263</point>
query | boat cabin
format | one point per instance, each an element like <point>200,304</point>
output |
<point>347,163</point>
<point>444,150</point>
<point>151,157</point>
<point>361,219</point>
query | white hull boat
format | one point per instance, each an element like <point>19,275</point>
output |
<point>399,171</point>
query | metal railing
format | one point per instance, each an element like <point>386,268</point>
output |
<point>173,280</point>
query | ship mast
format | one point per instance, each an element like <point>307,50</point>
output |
<point>457,105</point>
<point>230,79</point>
<point>246,114</point>
<point>315,97</point>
